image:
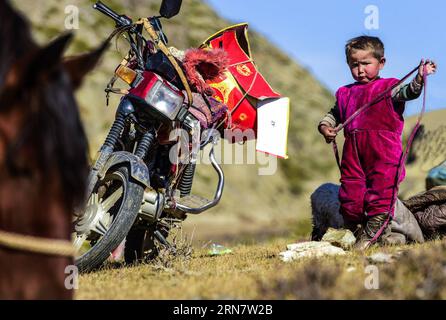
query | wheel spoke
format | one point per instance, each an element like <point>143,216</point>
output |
<point>103,224</point>
<point>78,241</point>
<point>93,199</point>
<point>108,203</point>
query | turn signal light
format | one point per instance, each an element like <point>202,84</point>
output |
<point>126,74</point>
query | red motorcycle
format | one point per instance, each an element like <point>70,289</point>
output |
<point>177,103</point>
<point>137,190</point>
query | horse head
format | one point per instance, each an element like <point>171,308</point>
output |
<point>39,116</point>
<point>43,153</point>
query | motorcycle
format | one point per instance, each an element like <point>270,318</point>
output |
<point>136,192</point>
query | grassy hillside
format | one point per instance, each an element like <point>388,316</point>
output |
<point>430,150</point>
<point>248,198</point>
<point>253,207</point>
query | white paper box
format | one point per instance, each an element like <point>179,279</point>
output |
<point>273,117</point>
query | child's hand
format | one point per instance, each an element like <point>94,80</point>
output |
<point>431,67</point>
<point>328,132</point>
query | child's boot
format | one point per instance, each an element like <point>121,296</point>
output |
<point>375,224</point>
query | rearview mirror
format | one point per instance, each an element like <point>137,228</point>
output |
<point>170,8</point>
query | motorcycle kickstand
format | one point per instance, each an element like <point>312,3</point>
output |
<point>164,241</point>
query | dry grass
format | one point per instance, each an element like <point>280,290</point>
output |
<point>256,272</point>
<point>267,196</point>
<point>252,207</point>
<point>419,272</point>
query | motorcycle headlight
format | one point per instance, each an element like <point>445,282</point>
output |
<point>165,100</point>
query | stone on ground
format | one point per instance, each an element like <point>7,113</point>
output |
<point>343,238</point>
<point>310,249</point>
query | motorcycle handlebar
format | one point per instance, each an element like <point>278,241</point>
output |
<point>120,20</point>
<point>106,10</point>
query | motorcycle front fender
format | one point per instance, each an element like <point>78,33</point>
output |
<point>138,169</point>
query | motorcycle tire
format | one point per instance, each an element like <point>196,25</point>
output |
<point>140,245</point>
<point>123,220</point>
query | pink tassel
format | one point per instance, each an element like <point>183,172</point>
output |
<point>204,65</point>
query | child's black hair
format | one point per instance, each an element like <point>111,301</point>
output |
<point>374,44</point>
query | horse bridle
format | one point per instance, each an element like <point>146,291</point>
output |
<point>46,246</point>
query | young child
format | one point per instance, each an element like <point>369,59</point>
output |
<point>373,145</point>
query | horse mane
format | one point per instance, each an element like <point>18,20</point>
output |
<point>56,132</point>
<point>43,155</point>
<point>51,143</point>
<point>15,35</point>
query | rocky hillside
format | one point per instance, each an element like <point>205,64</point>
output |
<point>428,151</point>
<point>248,196</point>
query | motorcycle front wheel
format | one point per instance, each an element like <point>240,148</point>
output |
<point>109,214</point>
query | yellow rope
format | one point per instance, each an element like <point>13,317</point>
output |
<point>160,45</point>
<point>33,244</point>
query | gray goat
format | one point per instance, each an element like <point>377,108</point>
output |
<point>325,214</point>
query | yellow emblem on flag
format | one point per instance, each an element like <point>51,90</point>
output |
<point>244,70</point>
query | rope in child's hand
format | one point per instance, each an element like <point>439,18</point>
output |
<point>377,99</point>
